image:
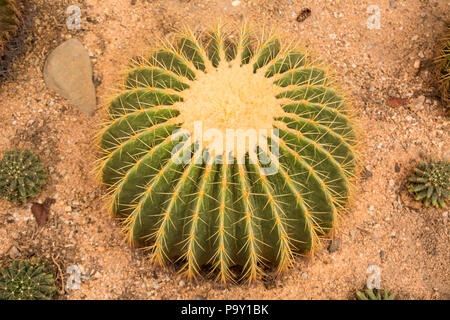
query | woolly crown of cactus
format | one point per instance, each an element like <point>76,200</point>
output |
<point>189,198</point>
<point>27,280</point>
<point>9,21</point>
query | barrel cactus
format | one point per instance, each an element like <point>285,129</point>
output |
<point>27,280</point>
<point>235,211</point>
<point>9,21</point>
<point>21,175</point>
<point>431,183</point>
<point>375,294</point>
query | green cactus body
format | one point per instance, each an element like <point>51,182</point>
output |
<point>21,175</point>
<point>219,213</point>
<point>431,183</point>
<point>9,21</point>
<point>27,280</point>
<point>375,295</point>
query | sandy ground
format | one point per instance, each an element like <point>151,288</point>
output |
<point>383,227</point>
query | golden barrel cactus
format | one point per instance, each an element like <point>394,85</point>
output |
<point>184,194</point>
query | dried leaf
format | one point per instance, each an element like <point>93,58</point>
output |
<point>41,211</point>
<point>396,102</point>
<point>303,15</point>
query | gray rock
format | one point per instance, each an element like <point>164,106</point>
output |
<point>68,71</point>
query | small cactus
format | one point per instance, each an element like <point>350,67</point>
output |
<point>375,294</point>
<point>27,280</point>
<point>21,175</point>
<point>431,183</point>
<point>9,22</point>
<point>221,214</point>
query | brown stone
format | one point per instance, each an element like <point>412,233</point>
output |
<point>68,71</point>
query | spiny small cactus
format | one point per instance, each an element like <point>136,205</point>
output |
<point>27,280</point>
<point>445,69</point>
<point>9,21</point>
<point>431,183</point>
<point>21,175</point>
<point>375,294</point>
<point>211,211</point>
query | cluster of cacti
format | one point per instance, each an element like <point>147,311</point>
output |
<point>375,294</point>
<point>9,21</point>
<point>21,175</point>
<point>27,280</point>
<point>222,213</point>
<point>445,69</point>
<point>431,183</point>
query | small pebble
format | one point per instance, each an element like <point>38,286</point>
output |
<point>334,245</point>
<point>382,254</point>
<point>14,253</point>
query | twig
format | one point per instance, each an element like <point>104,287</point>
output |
<point>363,230</point>
<point>60,273</point>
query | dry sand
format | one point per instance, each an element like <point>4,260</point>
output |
<point>383,226</point>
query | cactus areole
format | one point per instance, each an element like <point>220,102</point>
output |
<point>229,156</point>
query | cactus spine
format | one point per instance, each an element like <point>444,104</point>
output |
<point>375,294</point>
<point>220,214</point>
<point>445,69</point>
<point>9,21</point>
